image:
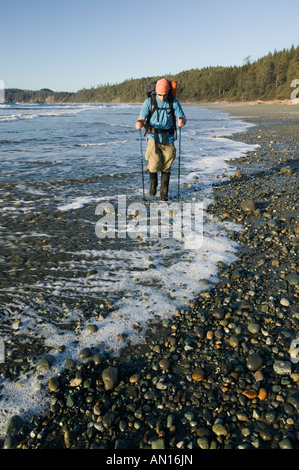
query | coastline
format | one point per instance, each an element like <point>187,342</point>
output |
<point>203,379</point>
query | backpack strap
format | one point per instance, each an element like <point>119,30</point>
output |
<point>151,129</point>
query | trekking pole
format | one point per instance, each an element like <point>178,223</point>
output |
<point>179,170</point>
<point>141,160</point>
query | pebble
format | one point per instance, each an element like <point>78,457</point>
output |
<point>70,363</point>
<point>96,359</point>
<point>262,394</point>
<point>218,313</point>
<point>234,341</point>
<point>242,416</point>
<point>286,171</point>
<point>219,429</point>
<point>282,367</point>
<point>210,334</point>
<point>292,279</point>
<point>253,328</point>
<point>203,443</point>
<point>85,353</point>
<point>13,425</point>
<point>158,444</point>
<point>110,377</point>
<point>293,399</point>
<point>91,329</point>
<point>250,393</point>
<point>165,364</point>
<point>76,382</point>
<point>270,417</point>
<point>247,205</point>
<point>258,375</point>
<point>8,443</point>
<point>254,362</point>
<point>53,384</point>
<point>134,378</point>
<point>120,444</point>
<point>285,302</point>
<point>198,375</point>
<point>45,362</point>
<point>286,444</point>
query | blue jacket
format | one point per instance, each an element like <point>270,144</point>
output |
<point>165,116</point>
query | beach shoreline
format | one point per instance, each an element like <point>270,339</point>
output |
<point>271,110</point>
<point>218,375</point>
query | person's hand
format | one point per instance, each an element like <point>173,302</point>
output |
<point>139,124</point>
<point>181,121</point>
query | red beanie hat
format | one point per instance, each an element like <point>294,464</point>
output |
<point>162,86</point>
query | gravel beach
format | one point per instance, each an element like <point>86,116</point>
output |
<point>224,373</point>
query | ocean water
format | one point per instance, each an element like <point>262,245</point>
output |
<point>67,174</point>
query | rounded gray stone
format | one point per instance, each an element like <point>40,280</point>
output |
<point>254,362</point>
<point>110,377</point>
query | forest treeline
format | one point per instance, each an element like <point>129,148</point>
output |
<point>268,78</point>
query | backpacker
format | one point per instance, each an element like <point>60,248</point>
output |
<point>151,93</point>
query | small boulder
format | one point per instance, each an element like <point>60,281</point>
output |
<point>13,425</point>
<point>248,205</point>
<point>110,377</point>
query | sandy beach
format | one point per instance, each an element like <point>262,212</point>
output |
<point>270,111</point>
<point>223,374</point>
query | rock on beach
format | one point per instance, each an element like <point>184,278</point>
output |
<point>110,377</point>
<point>254,362</point>
<point>282,367</point>
<point>248,205</point>
<point>13,425</point>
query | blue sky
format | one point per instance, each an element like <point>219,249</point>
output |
<point>66,45</point>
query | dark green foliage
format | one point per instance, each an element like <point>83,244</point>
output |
<point>42,96</point>
<point>268,78</point>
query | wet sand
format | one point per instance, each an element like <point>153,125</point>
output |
<point>269,112</point>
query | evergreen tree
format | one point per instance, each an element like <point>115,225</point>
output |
<point>265,79</point>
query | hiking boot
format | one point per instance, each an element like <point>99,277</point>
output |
<point>153,183</point>
<point>164,186</point>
